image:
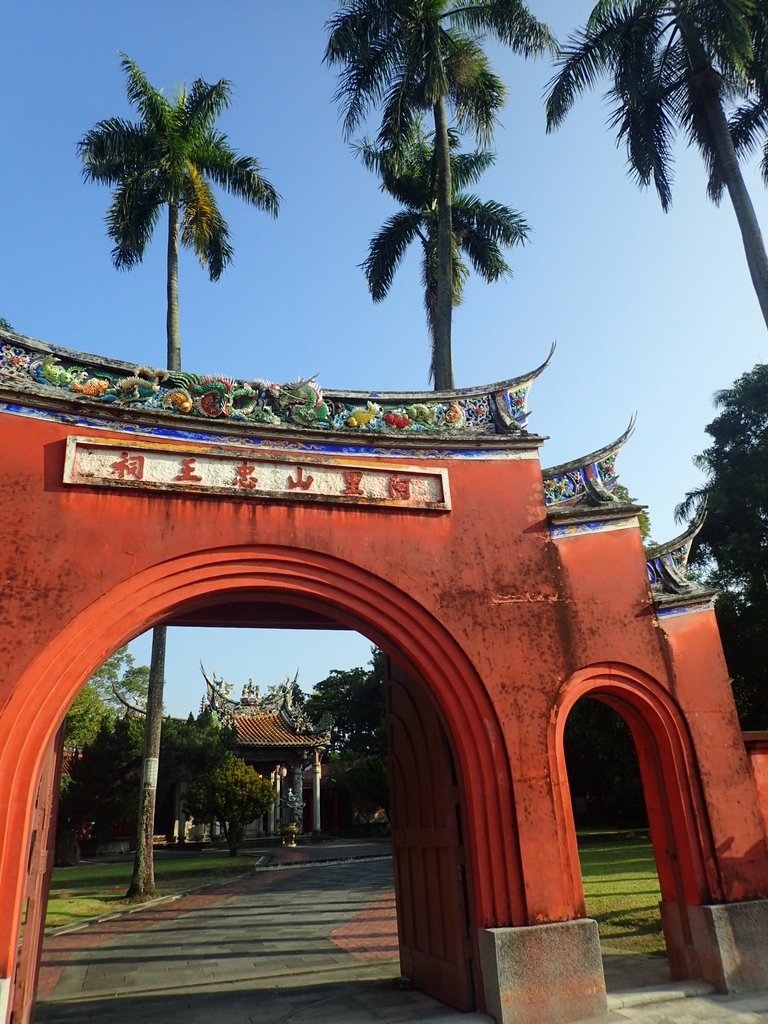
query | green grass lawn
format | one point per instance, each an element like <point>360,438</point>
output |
<point>91,890</point>
<point>622,891</point>
<point>619,872</point>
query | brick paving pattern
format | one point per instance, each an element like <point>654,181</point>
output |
<point>312,944</point>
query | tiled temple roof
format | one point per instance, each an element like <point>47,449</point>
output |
<point>271,730</point>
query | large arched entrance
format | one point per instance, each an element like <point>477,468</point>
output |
<point>130,497</point>
<point>434,864</point>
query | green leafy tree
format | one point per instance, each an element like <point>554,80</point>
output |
<point>354,698</point>
<point>99,699</point>
<point>622,493</point>
<point>104,779</point>
<point>4,325</point>
<point>732,550</point>
<point>84,719</point>
<point>363,781</point>
<point>188,749</point>
<point>233,794</point>
<point>192,746</point>
<point>171,158</point>
<point>417,57</point>
<point>480,229</point>
<point>602,766</point>
<point>672,67</point>
<point>118,677</point>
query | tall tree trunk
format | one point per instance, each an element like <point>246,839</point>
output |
<point>172,328</point>
<point>728,163</point>
<point>751,235</point>
<point>143,880</point>
<point>442,357</point>
<point>429,276</point>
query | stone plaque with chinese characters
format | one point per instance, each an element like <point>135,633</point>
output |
<point>253,475</point>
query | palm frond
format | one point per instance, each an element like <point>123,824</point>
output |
<point>477,94</point>
<point>401,112</point>
<point>582,63</point>
<point>693,113</point>
<point>198,211</point>
<point>149,101</point>
<point>219,252</point>
<point>645,121</point>
<point>467,168</point>
<point>486,257</point>
<point>131,218</point>
<point>386,251</point>
<point>509,21</point>
<point>204,103</point>
<point>239,175</point>
<point>690,505</point>
<point>749,125</point>
<point>408,176</point>
<point>614,29</point>
<point>726,31</point>
<point>114,148</point>
<point>365,39</point>
<point>500,224</point>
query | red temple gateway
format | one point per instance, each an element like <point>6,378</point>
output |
<point>501,593</point>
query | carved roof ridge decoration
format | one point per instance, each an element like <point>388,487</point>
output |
<point>53,373</point>
<point>586,481</point>
<point>277,703</point>
<point>668,562</point>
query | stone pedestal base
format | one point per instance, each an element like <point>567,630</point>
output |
<point>543,974</point>
<point>5,999</point>
<point>728,944</point>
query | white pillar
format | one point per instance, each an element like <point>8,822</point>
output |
<point>5,998</point>
<point>273,811</point>
<point>316,776</point>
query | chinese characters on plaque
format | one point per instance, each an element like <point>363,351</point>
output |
<point>259,474</point>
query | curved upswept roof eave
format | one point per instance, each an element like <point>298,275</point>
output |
<point>688,535</point>
<point>65,379</point>
<point>412,397</point>
<point>596,456</point>
<point>403,397</point>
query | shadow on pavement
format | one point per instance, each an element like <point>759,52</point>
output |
<point>333,1003</point>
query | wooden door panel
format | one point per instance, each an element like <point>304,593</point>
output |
<point>435,948</point>
<point>39,868</point>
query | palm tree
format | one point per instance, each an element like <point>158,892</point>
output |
<point>480,229</point>
<point>749,123</point>
<point>423,56</point>
<point>171,158</point>
<point>672,66</point>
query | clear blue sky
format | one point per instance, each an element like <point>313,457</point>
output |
<point>651,312</point>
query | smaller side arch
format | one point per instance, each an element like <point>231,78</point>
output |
<point>682,841</point>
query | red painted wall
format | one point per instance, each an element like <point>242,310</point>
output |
<point>506,625</point>
<point>757,752</point>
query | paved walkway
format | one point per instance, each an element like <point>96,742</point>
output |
<point>302,944</point>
